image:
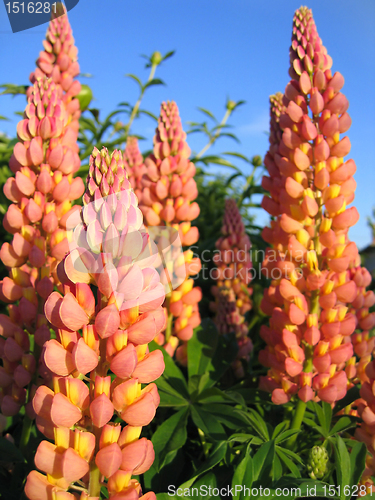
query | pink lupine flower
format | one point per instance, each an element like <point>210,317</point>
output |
<point>134,165</point>
<point>168,194</point>
<point>311,259</point>
<point>232,276</point>
<point>36,218</point>
<point>97,334</point>
<point>58,61</point>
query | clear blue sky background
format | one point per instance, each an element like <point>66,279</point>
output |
<point>236,48</point>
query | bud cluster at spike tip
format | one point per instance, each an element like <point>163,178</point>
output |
<point>97,336</point>
<point>44,161</point>
<point>311,259</point>
<point>168,191</point>
<point>58,61</point>
<point>134,165</point>
<point>232,276</point>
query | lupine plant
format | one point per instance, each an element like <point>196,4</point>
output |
<point>168,191</point>
<point>233,275</point>
<point>119,377</point>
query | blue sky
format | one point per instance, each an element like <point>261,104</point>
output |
<point>235,48</point>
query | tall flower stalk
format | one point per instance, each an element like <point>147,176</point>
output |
<point>58,61</point>
<point>103,370</point>
<point>310,260</point>
<point>44,162</point>
<point>232,275</point>
<point>168,195</point>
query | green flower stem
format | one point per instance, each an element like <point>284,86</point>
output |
<point>296,422</point>
<point>216,135</point>
<point>138,103</point>
<point>94,481</point>
<point>26,430</point>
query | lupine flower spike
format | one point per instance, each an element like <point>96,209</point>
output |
<point>58,61</point>
<point>310,261</point>
<point>232,275</point>
<point>135,166</point>
<point>44,162</point>
<point>102,366</point>
<point>168,192</point>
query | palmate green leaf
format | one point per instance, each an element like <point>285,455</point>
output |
<point>343,466</point>
<point>228,416</point>
<point>154,81</point>
<point>201,347</point>
<point>277,468</point>
<point>11,88</point>
<point>240,438</point>
<point>217,160</point>
<point>4,118</point>
<point>351,396</point>
<point>230,136</point>
<point>216,456</point>
<point>170,436</point>
<point>168,55</point>
<point>357,462</point>
<point>208,423</point>
<point>243,475</point>
<point>286,435</point>
<point>263,462</point>
<point>207,113</point>
<point>343,423</point>
<point>288,462</point>
<point>279,429</point>
<point>257,423</point>
<point>148,113</point>
<point>135,79</point>
<point>311,423</point>
<point>237,155</point>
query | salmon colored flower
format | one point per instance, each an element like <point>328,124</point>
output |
<point>100,360</point>
<point>232,275</point>
<point>311,260</point>
<point>168,194</point>
<point>58,61</point>
<point>134,165</point>
<point>44,162</point>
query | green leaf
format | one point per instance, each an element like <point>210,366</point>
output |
<point>228,416</point>
<point>237,155</point>
<point>279,429</point>
<point>240,438</point>
<point>201,347</point>
<point>351,396</point>
<point>168,55</point>
<point>207,113</point>
<point>343,466</point>
<point>154,81</point>
<point>343,423</point>
<point>170,436</point>
<point>207,423</point>
<point>4,118</point>
<point>257,424</point>
<point>286,435</point>
<point>288,462</point>
<point>357,462</point>
<point>135,79</point>
<point>263,461</point>
<point>217,454</point>
<point>172,375</point>
<point>243,475</point>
